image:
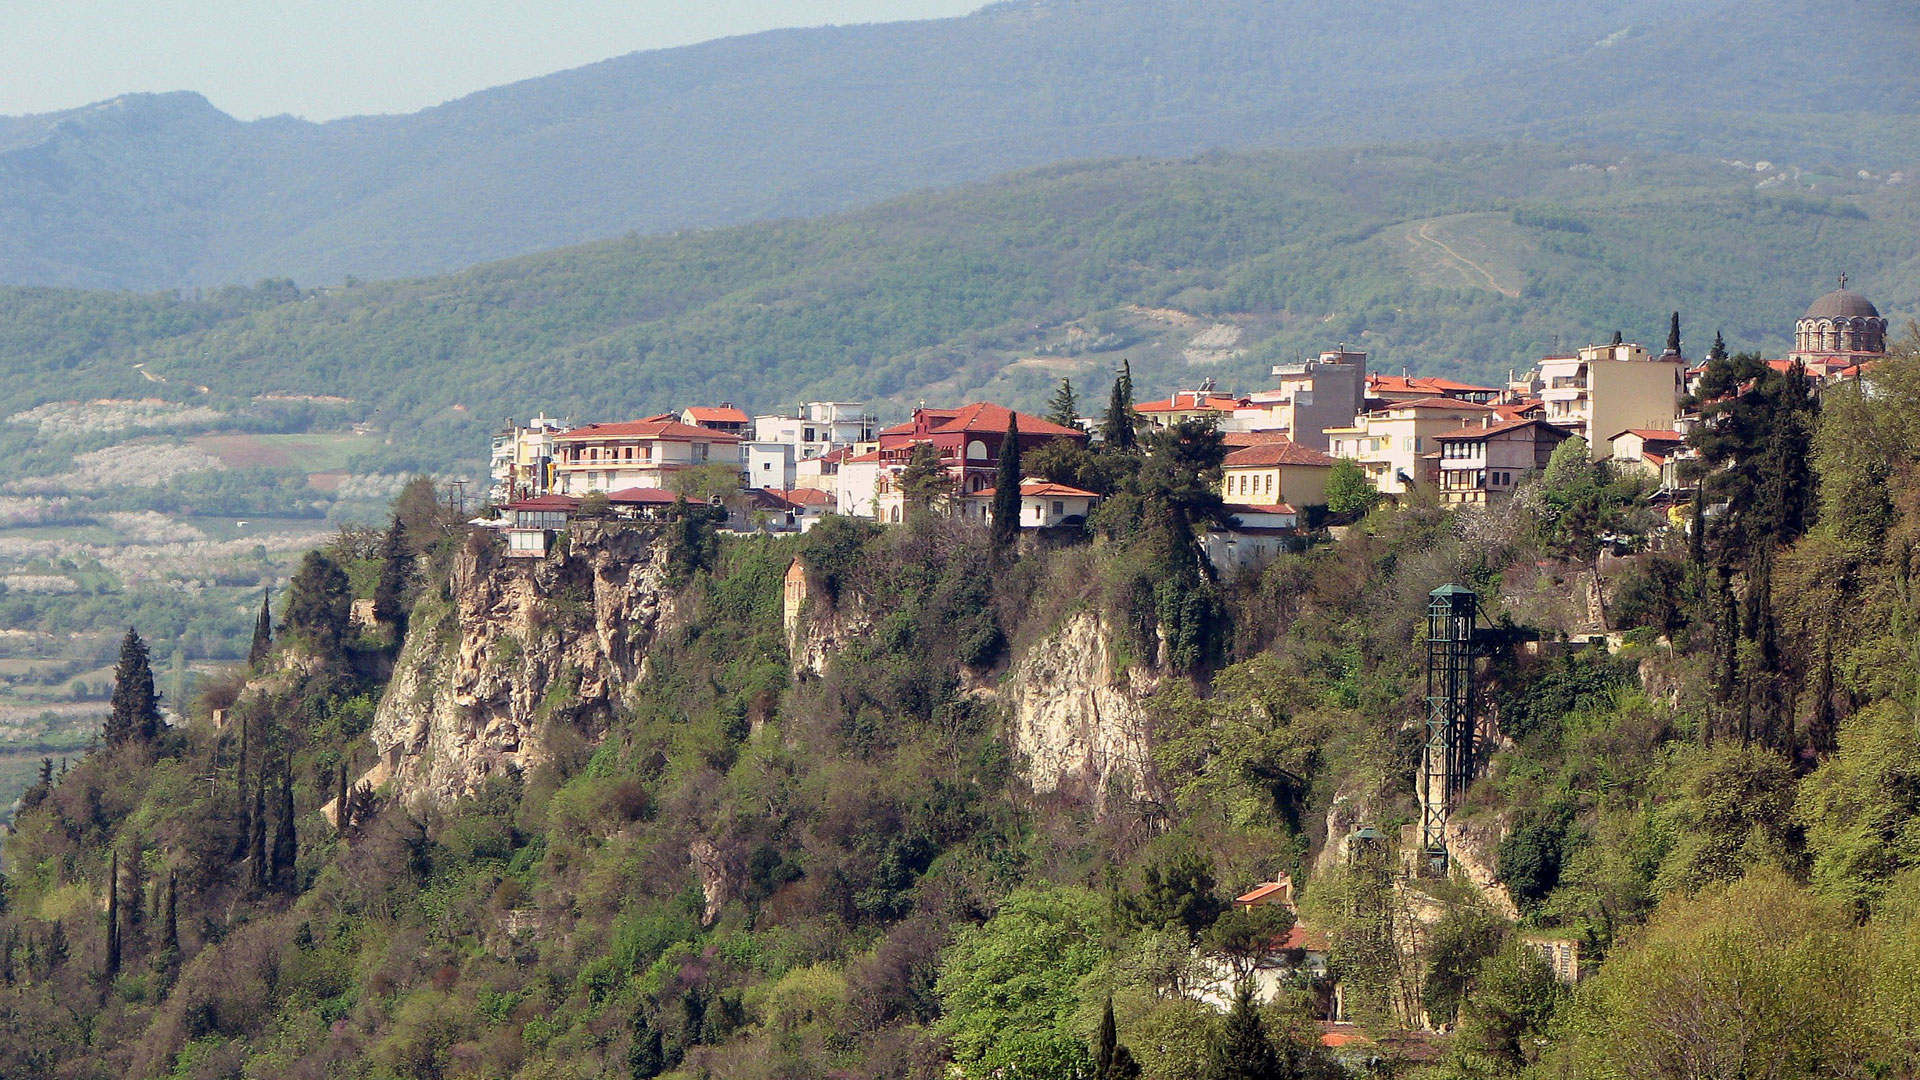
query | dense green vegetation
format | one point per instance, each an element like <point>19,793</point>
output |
<point>162,191</point>
<point>1446,259</point>
<point>1721,814</point>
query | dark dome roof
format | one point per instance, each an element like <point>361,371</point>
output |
<point>1843,304</point>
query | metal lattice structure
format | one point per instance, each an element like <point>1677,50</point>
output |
<point>1447,766</point>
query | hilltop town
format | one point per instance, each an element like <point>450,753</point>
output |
<point>1401,434</point>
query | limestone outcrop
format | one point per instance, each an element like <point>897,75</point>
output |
<point>517,657</point>
<point>1080,726</point>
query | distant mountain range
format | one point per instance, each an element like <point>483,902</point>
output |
<point>161,191</point>
<point>1458,259</point>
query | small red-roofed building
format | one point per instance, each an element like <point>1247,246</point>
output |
<point>1390,388</point>
<point>642,502</point>
<point>532,523</point>
<point>639,453</point>
<point>969,441</point>
<point>1646,450</point>
<point>1191,405</point>
<point>1280,471</point>
<point>1484,462</point>
<point>1043,505</point>
<point>721,417</point>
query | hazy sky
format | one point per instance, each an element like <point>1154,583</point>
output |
<point>326,58</point>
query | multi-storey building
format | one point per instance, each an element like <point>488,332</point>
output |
<point>969,441</point>
<point>1313,396</point>
<point>642,454</point>
<point>819,429</point>
<point>1603,389</point>
<point>521,465</point>
<point>1276,472</point>
<point>1481,463</point>
<point>1392,442</point>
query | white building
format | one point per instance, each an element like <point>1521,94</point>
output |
<point>780,443</point>
<point>522,461</point>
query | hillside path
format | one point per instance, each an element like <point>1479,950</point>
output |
<point>1425,232</point>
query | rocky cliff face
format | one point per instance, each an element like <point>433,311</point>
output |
<point>517,654</point>
<point>1080,726</point>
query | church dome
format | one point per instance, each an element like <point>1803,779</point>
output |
<point>1843,304</point>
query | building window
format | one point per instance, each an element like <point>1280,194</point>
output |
<point>1059,508</point>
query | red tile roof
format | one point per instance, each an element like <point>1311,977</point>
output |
<point>871,455</point>
<point>1436,403</point>
<point>669,430</point>
<point>1277,453</point>
<point>1467,433</point>
<point>1189,401</point>
<point>1262,893</point>
<point>805,496</point>
<point>1259,508</point>
<point>985,417</point>
<point>1238,439</point>
<point>1030,489</point>
<point>643,496</point>
<point>1650,435</point>
<point>1425,384</point>
<point>546,502</point>
<point>716,414</point>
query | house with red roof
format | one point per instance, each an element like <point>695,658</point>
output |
<point>969,443</point>
<point>1191,405</point>
<point>1043,505</point>
<point>1483,462</point>
<point>721,417</point>
<point>639,453</point>
<point>1390,388</point>
<point>1280,471</point>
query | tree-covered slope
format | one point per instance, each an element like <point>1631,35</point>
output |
<point>1467,260</point>
<point>153,191</point>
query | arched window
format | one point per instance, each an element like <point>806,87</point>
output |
<point>976,451</point>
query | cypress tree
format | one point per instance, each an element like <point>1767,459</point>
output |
<point>286,847</point>
<point>1616,338</point>
<point>1006,491</point>
<point>1112,1061</point>
<point>1673,335</point>
<point>257,836</point>
<point>1242,1050</point>
<point>113,916</point>
<point>1064,409</point>
<point>1719,351</point>
<point>340,816</point>
<point>262,633</point>
<point>318,605</point>
<point>135,709</point>
<point>1116,430</point>
<point>646,1057</point>
<point>168,955</point>
<point>395,561</point>
<point>57,950</point>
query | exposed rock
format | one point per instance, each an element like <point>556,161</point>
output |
<point>1080,726</point>
<point>711,869</point>
<point>818,627</point>
<point>518,652</point>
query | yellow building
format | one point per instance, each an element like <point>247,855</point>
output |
<point>1276,472</point>
<point>1605,389</point>
<point>1391,442</point>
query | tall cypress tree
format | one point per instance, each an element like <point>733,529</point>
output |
<point>257,836</point>
<point>135,709</point>
<point>1112,1061</point>
<point>113,916</point>
<point>1719,350</point>
<point>1116,430</point>
<point>168,956</point>
<point>1673,335</point>
<point>262,632</point>
<point>1006,490</point>
<point>286,847</point>
<point>395,562</point>
<point>1064,409</point>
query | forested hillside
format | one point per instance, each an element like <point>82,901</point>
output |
<point>152,191</point>
<point>722,844</point>
<point>1461,260</point>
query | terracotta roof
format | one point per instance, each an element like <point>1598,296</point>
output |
<point>1435,403</point>
<point>716,414</point>
<point>1497,429</point>
<point>1429,383</point>
<point>1515,410</point>
<point>805,496</point>
<point>1334,1036</point>
<point>1302,936</point>
<point>871,455</point>
<point>643,496</point>
<point>1650,435</point>
<point>671,430</point>
<point>1190,400</point>
<point>1259,508</point>
<point>1277,453</point>
<point>1238,439</point>
<point>1262,893</point>
<point>985,417</point>
<point>546,502</point>
<point>1042,489</point>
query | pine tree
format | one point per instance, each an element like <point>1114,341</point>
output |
<point>286,848</point>
<point>646,1057</point>
<point>57,950</point>
<point>135,709</point>
<point>395,562</point>
<point>1116,430</point>
<point>318,604</point>
<point>1242,1050</point>
<point>262,633</point>
<point>1719,351</point>
<point>113,916</point>
<point>1064,409</point>
<point>1006,491</point>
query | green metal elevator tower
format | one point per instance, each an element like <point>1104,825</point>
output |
<point>1447,765</point>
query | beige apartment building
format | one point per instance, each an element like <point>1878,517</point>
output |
<point>1391,441</point>
<point>1604,389</point>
